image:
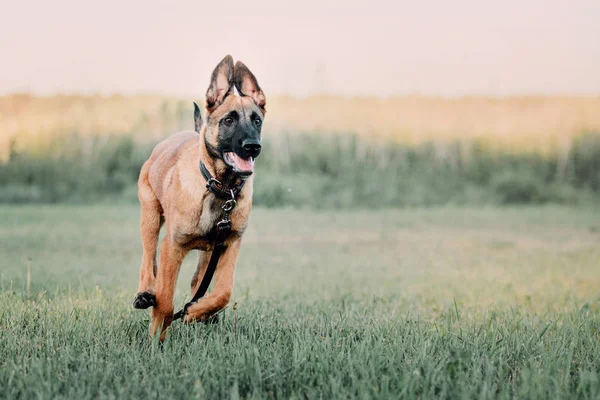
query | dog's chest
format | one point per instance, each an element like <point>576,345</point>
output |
<point>210,215</point>
<point>199,231</point>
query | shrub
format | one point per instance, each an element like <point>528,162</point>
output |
<point>320,171</point>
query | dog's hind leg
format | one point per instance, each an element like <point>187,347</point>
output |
<point>150,223</point>
<point>203,259</point>
<point>218,299</point>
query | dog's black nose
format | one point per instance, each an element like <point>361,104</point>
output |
<point>251,147</point>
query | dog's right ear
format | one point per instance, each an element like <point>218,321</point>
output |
<point>221,84</point>
<point>197,118</point>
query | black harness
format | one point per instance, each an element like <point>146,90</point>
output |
<point>223,229</point>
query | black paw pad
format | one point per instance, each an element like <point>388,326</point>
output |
<point>144,300</point>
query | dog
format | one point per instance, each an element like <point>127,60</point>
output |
<point>173,191</point>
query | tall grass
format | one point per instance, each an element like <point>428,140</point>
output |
<point>322,171</point>
<point>319,151</point>
<point>522,123</point>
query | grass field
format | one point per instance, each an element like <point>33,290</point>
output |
<point>414,303</point>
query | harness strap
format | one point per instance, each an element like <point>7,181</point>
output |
<point>223,231</point>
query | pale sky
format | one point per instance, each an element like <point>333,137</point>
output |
<point>447,48</point>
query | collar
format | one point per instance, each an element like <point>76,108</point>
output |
<point>217,188</point>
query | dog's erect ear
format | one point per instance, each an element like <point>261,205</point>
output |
<point>221,83</point>
<point>197,118</point>
<point>247,85</point>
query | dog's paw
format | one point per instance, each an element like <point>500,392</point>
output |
<point>190,319</point>
<point>144,300</point>
<point>211,320</point>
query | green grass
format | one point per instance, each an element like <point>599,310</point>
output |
<point>414,303</point>
<point>321,171</point>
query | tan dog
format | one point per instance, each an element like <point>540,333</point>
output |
<point>172,189</point>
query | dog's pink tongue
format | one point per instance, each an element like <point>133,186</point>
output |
<point>242,164</point>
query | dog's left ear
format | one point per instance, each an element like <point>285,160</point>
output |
<point>247,85</point>
<point>197,118</point>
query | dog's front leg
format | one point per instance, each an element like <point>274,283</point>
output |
<point>216,300</point>
<point>171,256</point>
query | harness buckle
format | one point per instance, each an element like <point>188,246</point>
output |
<point>229,205</point>
<point>214,181</point>
<point>224,225</point>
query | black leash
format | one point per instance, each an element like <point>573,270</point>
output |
<point>223,228</point>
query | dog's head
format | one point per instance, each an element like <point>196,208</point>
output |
<point>234,123</point>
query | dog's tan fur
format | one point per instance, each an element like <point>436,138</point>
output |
<point>171,189</point>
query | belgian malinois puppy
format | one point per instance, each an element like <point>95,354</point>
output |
<point>172,190</point>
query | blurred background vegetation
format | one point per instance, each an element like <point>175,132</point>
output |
<point>320,152</point>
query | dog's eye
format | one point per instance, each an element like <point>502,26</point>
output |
<point>228,121</point>
<point>257,122</point>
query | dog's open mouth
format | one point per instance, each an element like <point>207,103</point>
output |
<point>239,164</point>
